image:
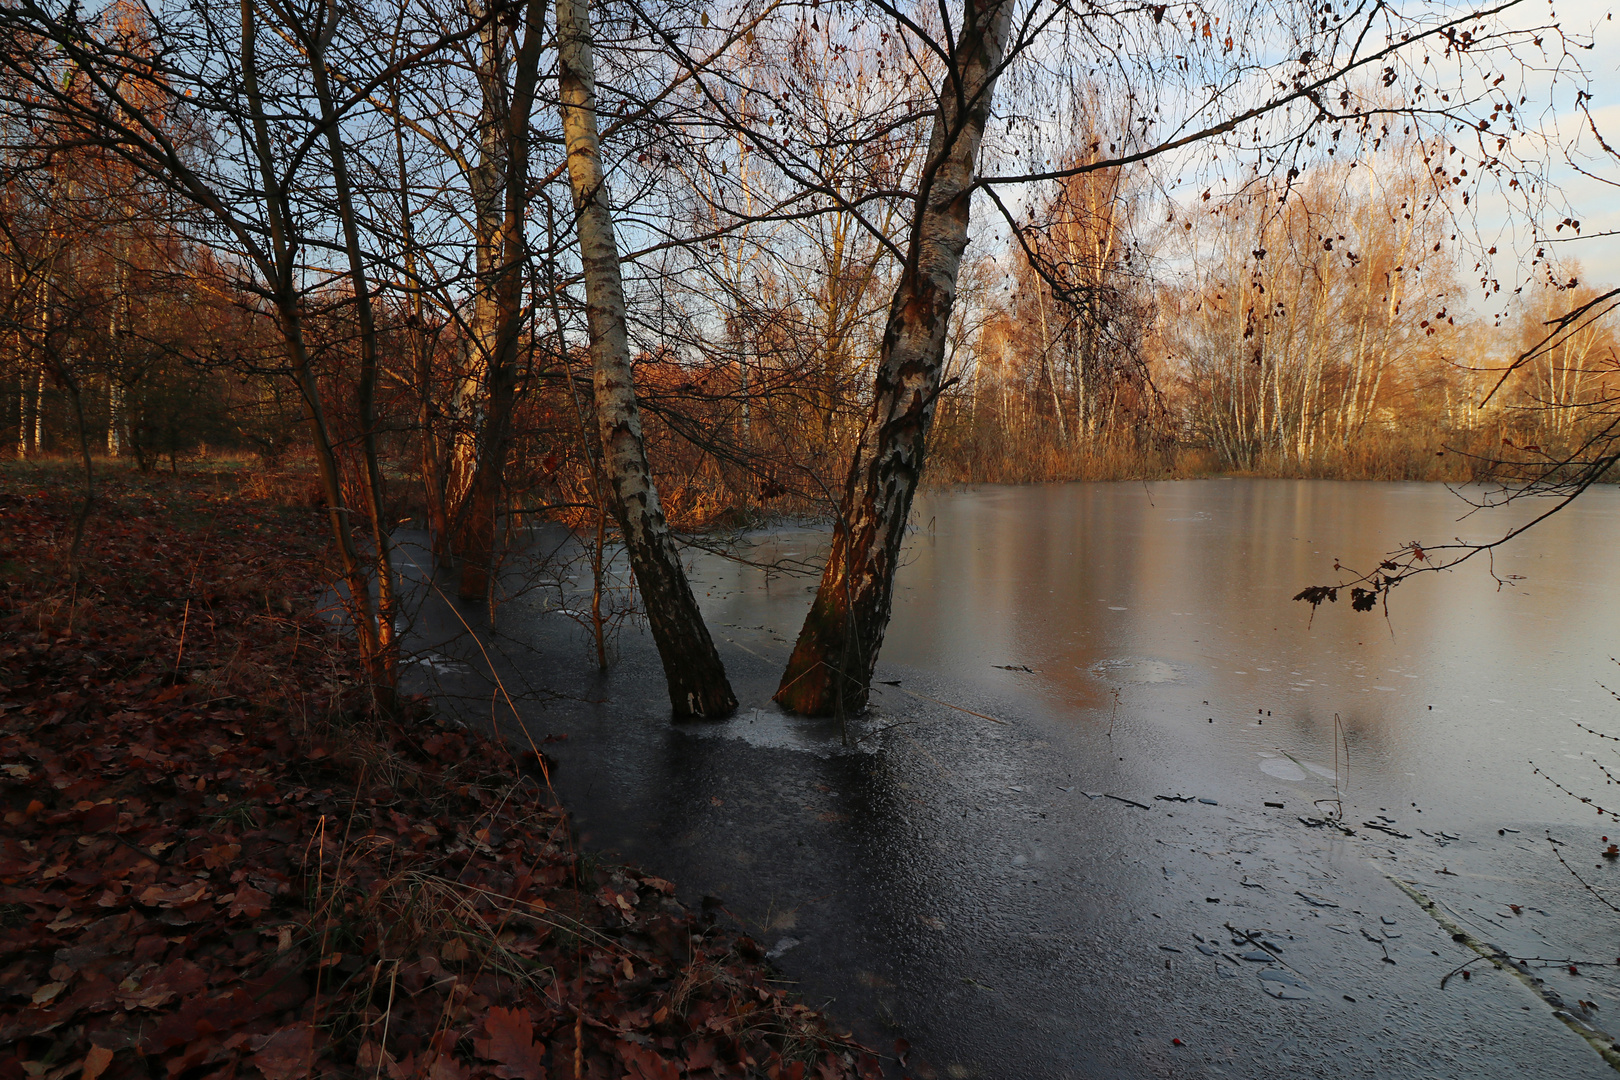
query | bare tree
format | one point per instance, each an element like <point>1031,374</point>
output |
<point>1275,90</point>
<point>153,94</point>
<point>501,194</point>
<point>697,681</point>
<point>832,663</point>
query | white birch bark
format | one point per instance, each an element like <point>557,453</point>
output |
<point>832,663</point>
<point>692,668</point>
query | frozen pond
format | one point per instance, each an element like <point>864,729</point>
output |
<point>1051,851</point>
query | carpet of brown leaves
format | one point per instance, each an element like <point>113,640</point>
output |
<point>212,865</point>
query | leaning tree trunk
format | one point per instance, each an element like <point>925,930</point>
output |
<point>697,680</point>
<point>836,654</point>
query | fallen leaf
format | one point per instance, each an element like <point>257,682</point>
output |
<point>286,1054</point>
<point>644,1064</point>
<point>96,1062</point>
<point>221,855</point>
<point>508,1041</point>
<point>248,901</point>
<point>66,920</point>
<point>445,1067</point>
<point>700,1055</point>
<point>153,988</point>
<point>131,995</point>
<point>47,992</point>
<point>178,896</point>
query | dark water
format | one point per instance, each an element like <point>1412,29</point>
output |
<point>964,881</point>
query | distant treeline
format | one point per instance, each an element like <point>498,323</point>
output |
<point>1318,326</point>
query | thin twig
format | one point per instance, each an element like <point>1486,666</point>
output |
<point>1601,898</point>
<point>1581,798</point>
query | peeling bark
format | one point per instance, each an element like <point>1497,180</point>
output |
<point>697,681</point>
<point>836,653</point>
<point>473,402</point>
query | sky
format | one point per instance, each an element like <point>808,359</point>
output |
<point>1594,200</point>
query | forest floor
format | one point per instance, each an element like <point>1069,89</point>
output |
<point>215,863</point>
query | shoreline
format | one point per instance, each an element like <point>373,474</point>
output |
<point>215,863</point>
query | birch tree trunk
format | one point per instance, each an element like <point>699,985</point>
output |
<point>832,663</point>
<point>697,680</point>
<point>117,329</point>
<point>41,332</point>
<point>19,312</point>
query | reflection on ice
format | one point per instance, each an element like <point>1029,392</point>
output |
<point>439,663</point>
<point>1138,670</point>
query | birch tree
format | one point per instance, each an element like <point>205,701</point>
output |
<point>832,662</point>
<point>692,669</point>
<point>1252,94</point>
